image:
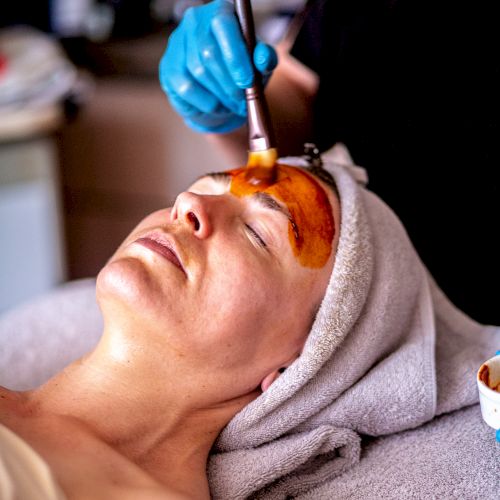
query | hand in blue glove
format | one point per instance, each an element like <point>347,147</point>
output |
<point>206,66</point>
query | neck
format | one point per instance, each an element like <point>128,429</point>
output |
<point>142,415</point>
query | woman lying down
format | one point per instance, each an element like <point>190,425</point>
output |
<point>252,333</point>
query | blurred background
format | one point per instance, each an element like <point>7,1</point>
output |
<point>88,141</point>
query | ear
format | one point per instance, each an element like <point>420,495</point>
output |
<point>269,379</point>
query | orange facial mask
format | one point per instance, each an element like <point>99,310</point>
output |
<point>313,228</point>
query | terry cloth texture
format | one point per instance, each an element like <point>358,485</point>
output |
<point>454,456</point>
<point>387,352</point>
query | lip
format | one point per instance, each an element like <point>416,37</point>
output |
<point>160,244</point>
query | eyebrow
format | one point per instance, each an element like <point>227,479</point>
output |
<point>265,200</point>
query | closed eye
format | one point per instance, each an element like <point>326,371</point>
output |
<point>256,236</point>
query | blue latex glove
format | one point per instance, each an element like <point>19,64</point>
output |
<point>206,66</point>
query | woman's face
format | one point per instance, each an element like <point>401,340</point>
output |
<point>226,282</point>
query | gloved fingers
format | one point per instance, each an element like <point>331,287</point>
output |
<point>176,79</point>
<point>265,58</point>
<point>218,124</point>
<point>185,87</point>
<point>221,120</point>
<point>211,57</point>
<point>226,31</point>
<point>202,63</point>
<point>205,122</point>
<point>182,107</point>
<point>205,66</point>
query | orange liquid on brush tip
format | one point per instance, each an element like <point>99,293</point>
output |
<point>311,238</point>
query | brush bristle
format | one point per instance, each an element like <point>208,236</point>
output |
<point>266,158</point>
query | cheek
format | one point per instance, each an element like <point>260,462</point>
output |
<point>309,288</point>
<point>237,307</point>
<point>239,270</point>
<point>241,297</point>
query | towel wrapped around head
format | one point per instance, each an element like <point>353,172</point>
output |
<point>387,352</point>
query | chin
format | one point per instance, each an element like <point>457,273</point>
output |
<point>126,282</point>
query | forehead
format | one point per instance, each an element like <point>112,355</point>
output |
<point>306,201</point>
<point>221,181</point>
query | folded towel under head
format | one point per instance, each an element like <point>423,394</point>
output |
<point>386,352</point>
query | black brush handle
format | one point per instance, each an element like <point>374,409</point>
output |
<point>260,130</point>
<point>245,17</point>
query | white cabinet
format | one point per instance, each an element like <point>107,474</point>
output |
<point>31,235</point>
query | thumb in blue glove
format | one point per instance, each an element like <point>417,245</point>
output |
<point>206,66</point>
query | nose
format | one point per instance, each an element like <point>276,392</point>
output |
<point>194,210</point>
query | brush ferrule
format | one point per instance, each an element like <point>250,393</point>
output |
<point>260,135</point>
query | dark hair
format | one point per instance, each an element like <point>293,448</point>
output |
<point>325,176</point>
<point>312,156</point>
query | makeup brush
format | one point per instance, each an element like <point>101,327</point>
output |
<point>262,151</point>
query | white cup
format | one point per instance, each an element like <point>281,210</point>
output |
<point>488,378</point>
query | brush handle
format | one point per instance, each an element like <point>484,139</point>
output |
<point>260,131</point>
<point>245,17</point>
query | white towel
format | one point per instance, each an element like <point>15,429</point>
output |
<point>386,353</point>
